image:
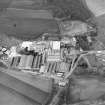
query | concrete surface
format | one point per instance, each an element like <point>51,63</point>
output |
<point>10,97</point>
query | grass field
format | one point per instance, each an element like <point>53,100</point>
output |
<point>10,97</point>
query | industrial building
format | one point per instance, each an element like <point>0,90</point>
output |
<point>52,52</point>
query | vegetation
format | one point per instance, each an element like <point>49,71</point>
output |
<point>74,9</point>
<point>7,41</point>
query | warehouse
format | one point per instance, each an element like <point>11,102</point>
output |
<point>52,52</point>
